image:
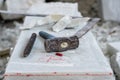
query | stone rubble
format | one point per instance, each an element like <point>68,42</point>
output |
<point>107,32</point>
<point>8,36</point>
<point>115,64</point>
<point>62,24</point>
<point>107,36</point>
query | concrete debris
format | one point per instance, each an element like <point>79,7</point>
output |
<point>4,52</point>
<point>71,23</point>
<point>18,6</point>
<point>62,23</point>
<point>107,32</point>
<point>115,63</point>
<point>8,37</point>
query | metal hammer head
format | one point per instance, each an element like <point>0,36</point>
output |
<point>60,44</point>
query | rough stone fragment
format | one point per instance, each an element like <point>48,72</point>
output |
<point>62,23</point>
<point>113,48</point>
<point>81,22</point>
<point>114,53</point>
<point>18,6</point>
<point>115,63</point>
<point>49,19</point>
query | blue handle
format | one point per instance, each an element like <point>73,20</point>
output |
<point>46,35</point>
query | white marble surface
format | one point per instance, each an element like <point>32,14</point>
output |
<point>87,62</point>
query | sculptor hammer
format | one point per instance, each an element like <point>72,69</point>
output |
<point>59,44</point>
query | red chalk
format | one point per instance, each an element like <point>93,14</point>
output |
<point>59,54</point>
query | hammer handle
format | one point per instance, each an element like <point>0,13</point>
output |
<point>29,45</point>
<point>46,35</point>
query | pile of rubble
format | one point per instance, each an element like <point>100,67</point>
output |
<point>8,36</point>
<point>107,32</point>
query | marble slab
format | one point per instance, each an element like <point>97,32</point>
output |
<point>87,62</point>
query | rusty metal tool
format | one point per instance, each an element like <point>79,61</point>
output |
<point>59,44</point>
<point>29,45</point>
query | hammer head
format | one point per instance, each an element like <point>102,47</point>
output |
<point>60,44</point>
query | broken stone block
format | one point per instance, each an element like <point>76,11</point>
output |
<point>4,52</point>
<point>81,22</point>
<point>49,19</point>
<point>115,63</point>
<point>70,23</point>
<point>113,48</point>
<point>18,6</point>
<point>62,23</point>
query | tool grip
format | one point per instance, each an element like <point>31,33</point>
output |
<point>46,35</point>
<point>30,44</point>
